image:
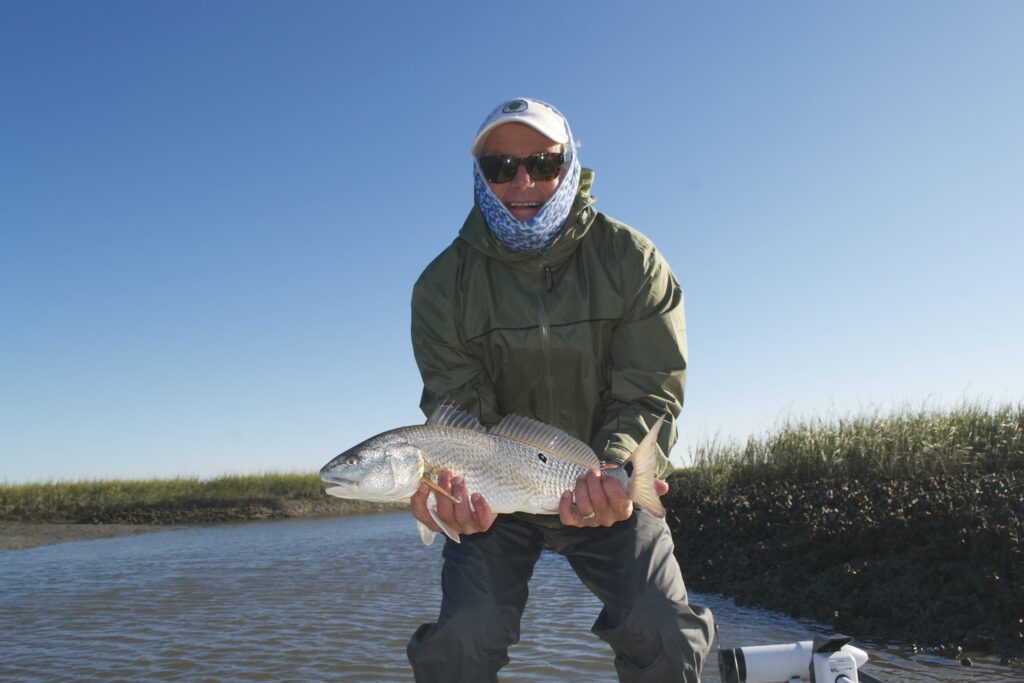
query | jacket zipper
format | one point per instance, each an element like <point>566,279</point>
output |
<point>548,282</point>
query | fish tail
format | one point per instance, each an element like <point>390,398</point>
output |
<point>645,469</point>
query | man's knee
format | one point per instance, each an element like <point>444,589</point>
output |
<point>659,637</point>
<point>471,644</point>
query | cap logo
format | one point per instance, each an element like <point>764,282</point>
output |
<point>514,107</point>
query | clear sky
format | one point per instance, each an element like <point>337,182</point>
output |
<point>212,213</point>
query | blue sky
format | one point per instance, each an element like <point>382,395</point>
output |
<point>212,213</point>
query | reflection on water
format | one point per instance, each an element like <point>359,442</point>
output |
<point>311,600</point>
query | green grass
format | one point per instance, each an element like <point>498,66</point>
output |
<point>967,439</point>
<point>912,443</point>
<point>86,500</point>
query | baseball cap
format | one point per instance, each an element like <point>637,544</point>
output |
<point>540,116</point>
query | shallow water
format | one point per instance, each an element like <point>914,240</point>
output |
<point>311,600</point>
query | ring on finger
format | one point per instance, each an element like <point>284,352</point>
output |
<point>589,517</point>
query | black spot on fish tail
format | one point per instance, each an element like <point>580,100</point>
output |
<point>542,457</point>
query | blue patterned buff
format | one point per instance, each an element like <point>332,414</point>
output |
<point>536,234</point>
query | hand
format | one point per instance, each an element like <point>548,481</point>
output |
<point>599,501</point>
<point>462,518</point>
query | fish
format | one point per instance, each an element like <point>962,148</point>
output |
<point>518,465</point>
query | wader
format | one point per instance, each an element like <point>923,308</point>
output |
<point>655,633</point>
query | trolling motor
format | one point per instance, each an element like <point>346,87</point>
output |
<point>823,660</point>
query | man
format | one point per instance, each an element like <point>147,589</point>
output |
<point>546,308</point>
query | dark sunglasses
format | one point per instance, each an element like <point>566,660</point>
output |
<point>501,168</point>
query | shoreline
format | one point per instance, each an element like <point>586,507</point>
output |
<point>26,535</point>
<point>17,535</point>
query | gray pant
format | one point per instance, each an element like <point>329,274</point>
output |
<point>655,633</point>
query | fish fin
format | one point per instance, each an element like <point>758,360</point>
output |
<point>447,415</point>
<point>645,468</point>
<point>429,482</point>
<point>426,533</point>
<point>432,509</point>
<point>544,437</point>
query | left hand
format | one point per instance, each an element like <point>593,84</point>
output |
<point>461,517</point>
<point>602,496</point>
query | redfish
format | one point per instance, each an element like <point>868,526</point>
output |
<point>519,465</point>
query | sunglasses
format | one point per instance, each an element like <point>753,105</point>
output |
<point>501,168</point>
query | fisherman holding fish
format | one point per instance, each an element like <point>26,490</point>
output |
<point>552,344</point>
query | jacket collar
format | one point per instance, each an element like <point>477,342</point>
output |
<point>479,236</point>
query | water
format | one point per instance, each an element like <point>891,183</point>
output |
<point>313,600</point>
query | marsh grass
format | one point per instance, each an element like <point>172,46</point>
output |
<point>969,439</point>
<point>100,500</point>
<point>907,444</point>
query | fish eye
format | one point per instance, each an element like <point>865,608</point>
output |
<point>352,460</point>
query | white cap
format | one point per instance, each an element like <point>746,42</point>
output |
<point>540,116</point>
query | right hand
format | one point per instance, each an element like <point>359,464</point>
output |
<point>460,517</point>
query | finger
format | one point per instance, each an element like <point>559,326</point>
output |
<point>595,491</point>
<point>444,504</point>
<point>419,499</point>
<point>482,513</point>
<point>620,507</point>
<point>614,493</point>
<point>463,514</point>
<point>610,501</point>
<point>660,487</point>
<point>418,505</point>
<point>585,507</point>
<point>567,512</point>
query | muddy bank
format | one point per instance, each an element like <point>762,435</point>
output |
<point>141,518</point>
<point>936,562</point>
<point>21,535</point>
<point>181,512</point>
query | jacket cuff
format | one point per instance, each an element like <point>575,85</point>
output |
<point>615,455</point>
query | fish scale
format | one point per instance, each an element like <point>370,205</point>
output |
<point>512,476</point>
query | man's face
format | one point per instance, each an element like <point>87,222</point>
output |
<point>522,196</point>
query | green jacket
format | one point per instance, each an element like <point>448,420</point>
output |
<point>588,336</point>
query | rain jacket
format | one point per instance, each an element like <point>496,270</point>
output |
<point>588,336</point>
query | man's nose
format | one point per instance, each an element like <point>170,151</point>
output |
<point>522,178</point>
